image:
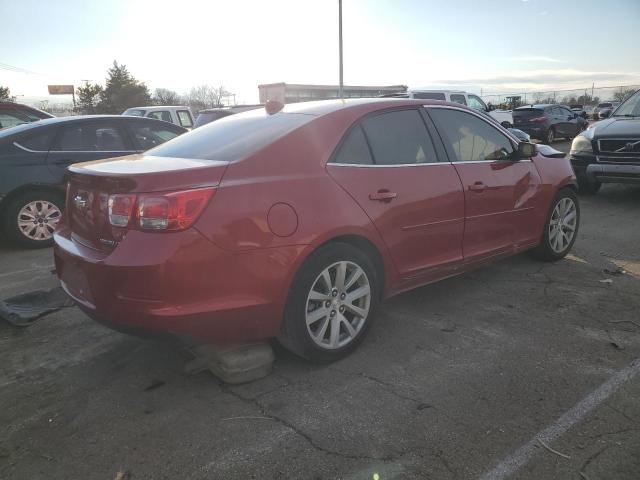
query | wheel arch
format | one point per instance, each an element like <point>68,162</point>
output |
<point>28,188</point>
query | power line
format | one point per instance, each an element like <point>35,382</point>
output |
<point>11,68</point>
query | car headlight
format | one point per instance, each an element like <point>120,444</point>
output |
<point>581,144</point>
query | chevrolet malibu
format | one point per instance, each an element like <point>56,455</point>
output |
<point>296,222</point>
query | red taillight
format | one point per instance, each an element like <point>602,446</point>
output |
<point>538,119</point>
<point>172,211</point>
<point>120,209</point>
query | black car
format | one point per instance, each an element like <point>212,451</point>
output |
<point>609,151</point>
<point>212,114</point>
<point>548,122</point>
<point>34,158</point>
<point>12,114</point>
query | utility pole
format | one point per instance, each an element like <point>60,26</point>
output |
<point>592,86</point>
<point>341,86</point>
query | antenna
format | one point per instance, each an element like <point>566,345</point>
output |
<point>341,85</point>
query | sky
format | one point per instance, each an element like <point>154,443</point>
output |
<point>477,45</point>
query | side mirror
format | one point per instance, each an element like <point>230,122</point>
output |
<point>526,150</point>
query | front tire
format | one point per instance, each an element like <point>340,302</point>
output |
<point>331,303</point>
<point>561,228</point>
<point>30,218</point>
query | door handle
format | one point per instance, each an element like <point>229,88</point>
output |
<point>383,196</point>
<point>477,187</point>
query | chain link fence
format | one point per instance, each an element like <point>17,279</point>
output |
<point>588,97</point>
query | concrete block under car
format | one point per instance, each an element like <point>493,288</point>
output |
<point>238,363</point>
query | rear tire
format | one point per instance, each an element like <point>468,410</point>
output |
<point>326,318</point>
<point>550,136</point>
<point>30,218</point>
<point>561,227</point>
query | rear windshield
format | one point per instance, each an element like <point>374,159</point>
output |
<point>209,117</point>
<point>429,96</point>
<point>232,138</point>
<point>527,112</point>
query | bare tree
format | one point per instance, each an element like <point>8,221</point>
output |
<point>164,96</point>
<point>621,95</point>
<point>206,96</point>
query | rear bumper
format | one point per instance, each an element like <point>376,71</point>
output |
<point>537,131</point>
<point>608,173</point>
<point>178,283</point>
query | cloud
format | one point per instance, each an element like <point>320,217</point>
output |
<point>543,79</point>
<point>535,58</point>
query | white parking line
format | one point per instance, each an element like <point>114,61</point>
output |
<point>521,456</point>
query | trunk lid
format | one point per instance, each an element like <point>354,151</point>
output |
<point>91,183</point>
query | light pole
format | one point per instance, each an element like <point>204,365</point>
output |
<point>341,86</point>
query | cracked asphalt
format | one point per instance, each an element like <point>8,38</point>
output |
<point>452,380</point>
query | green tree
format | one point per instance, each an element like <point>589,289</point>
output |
<point>5,94</point>
<point>88,98</point>
<point>122,91</point>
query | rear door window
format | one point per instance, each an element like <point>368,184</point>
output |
<point>458,98</point>
<point>163,115</point>
<point>399,138</point>
<point>354,149</point>
<point>184,117</point>
<point>39,141</point>
<point>90,137</point>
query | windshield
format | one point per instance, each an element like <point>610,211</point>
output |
<point>134,112</point>
<point>630,107</point>
<point>232,138</point>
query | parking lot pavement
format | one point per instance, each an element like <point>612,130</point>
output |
<point>520,370</point>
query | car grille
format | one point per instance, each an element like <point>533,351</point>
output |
<point>619,150</point>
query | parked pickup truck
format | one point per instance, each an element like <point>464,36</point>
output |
<point>609,150</point>
<point>503,117</point>
<point>178,115</point>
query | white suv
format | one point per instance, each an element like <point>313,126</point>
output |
<point>178,115</point>
<point>504,117</point>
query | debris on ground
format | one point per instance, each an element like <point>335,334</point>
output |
<point>608,281</point>
<point>617,271</point>
<point>155,384</point>
<point>126,475</point>
<point>22,310</point>
<point>553,451</point>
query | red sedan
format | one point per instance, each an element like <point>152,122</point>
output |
<point>296,223</point>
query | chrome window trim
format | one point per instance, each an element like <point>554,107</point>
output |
<point>370,165</point>
<point>28,149</point>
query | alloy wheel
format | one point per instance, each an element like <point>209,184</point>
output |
<point>562,226</point>
<point>38,219</point>
<point>550,136</point>
<point>338,305</point>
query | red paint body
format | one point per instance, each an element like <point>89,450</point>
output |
<point>227,277</point>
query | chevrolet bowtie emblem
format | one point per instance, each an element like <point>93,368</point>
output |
<point>79,202</point>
